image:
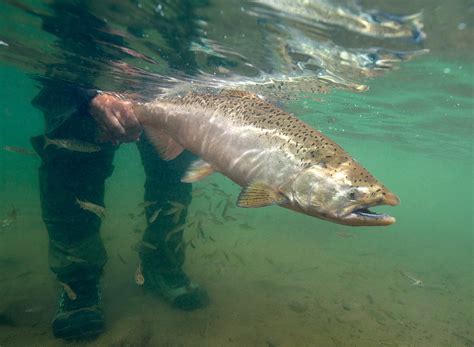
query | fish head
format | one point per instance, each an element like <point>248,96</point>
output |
<point>341,193</point>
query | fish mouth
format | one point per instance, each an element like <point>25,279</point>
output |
<point>366,217</point>
<point>362,216</point>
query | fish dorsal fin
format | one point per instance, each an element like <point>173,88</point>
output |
<point>258,194</point>
<point>167,148</point>
<point>197,171</point>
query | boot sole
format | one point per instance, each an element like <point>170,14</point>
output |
<point>78,325</point>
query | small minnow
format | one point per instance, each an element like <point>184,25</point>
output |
<point>139,279</point>
<point>178,247</point>
<point>72,145</point>
<point>19,150</point>
<point>75,259</point>
<point>176,210</point>
<point>174,231</point>
<point>226,207</point>
<point>200,230</point>
<point>99,211</point>
<point>121,258</point>
<point>154,216</point>
<point>246,226</point>
<point>149,245</point>
<point>226,256</point>
<point>69,292</point>
<point>142,245</point>
<point>230,218</point>
<point>239,258</point>
<point>146,204</point>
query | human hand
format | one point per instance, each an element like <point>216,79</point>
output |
<point>116,118</point>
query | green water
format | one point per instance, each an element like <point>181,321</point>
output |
<point>277,278</point>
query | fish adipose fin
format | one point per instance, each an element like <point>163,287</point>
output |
<point>198,170</point>
<point>259,194</point>
<point>164,144</point>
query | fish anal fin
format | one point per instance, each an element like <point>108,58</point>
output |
<point>259,194</point>
<point>167,148</point>
<point>198,170</point>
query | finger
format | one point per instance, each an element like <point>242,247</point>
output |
<point>130,123</point>
<point>113,125</point>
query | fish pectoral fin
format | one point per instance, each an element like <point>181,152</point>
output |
<point>167,148</point>
<point>259,194</point>
<point>197,171</point>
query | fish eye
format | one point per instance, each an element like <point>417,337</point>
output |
<point>352,195</point>
<point>373,57</point>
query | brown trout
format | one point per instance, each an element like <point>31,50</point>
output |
<point>275,157</point>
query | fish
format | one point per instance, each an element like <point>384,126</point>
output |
<point>139,279</point>
<point>143,246</point>
<point>246,226</point>
<point>122,260</point>
<point>75,259</point>
<point>230,218</point>
<point>72,145</point>
<point>239,258</point>
<point>174,231</point>
<point>176,210</point>
<point>344,235</point>
<point>12,213</point>
<point>34,309</point>
<point>226,207</point>
<point>98,210</point>
<point>200,230</point>
<point>19,150</point>
<point>198,192</point>
<point>275,157</point>
<point>146,204</point>
<point>226,256</point>
<point>154,216</point>
<point>219,204</point>
<point>6,223</point>
<point>69,292</point>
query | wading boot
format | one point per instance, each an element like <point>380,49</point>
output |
<point>177,289</point>
<point>79,314</point>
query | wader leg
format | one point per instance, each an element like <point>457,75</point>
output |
<point>165,233</point>
<point>76,251</point>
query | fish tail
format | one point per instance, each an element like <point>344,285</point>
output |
<point>47,141</point>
